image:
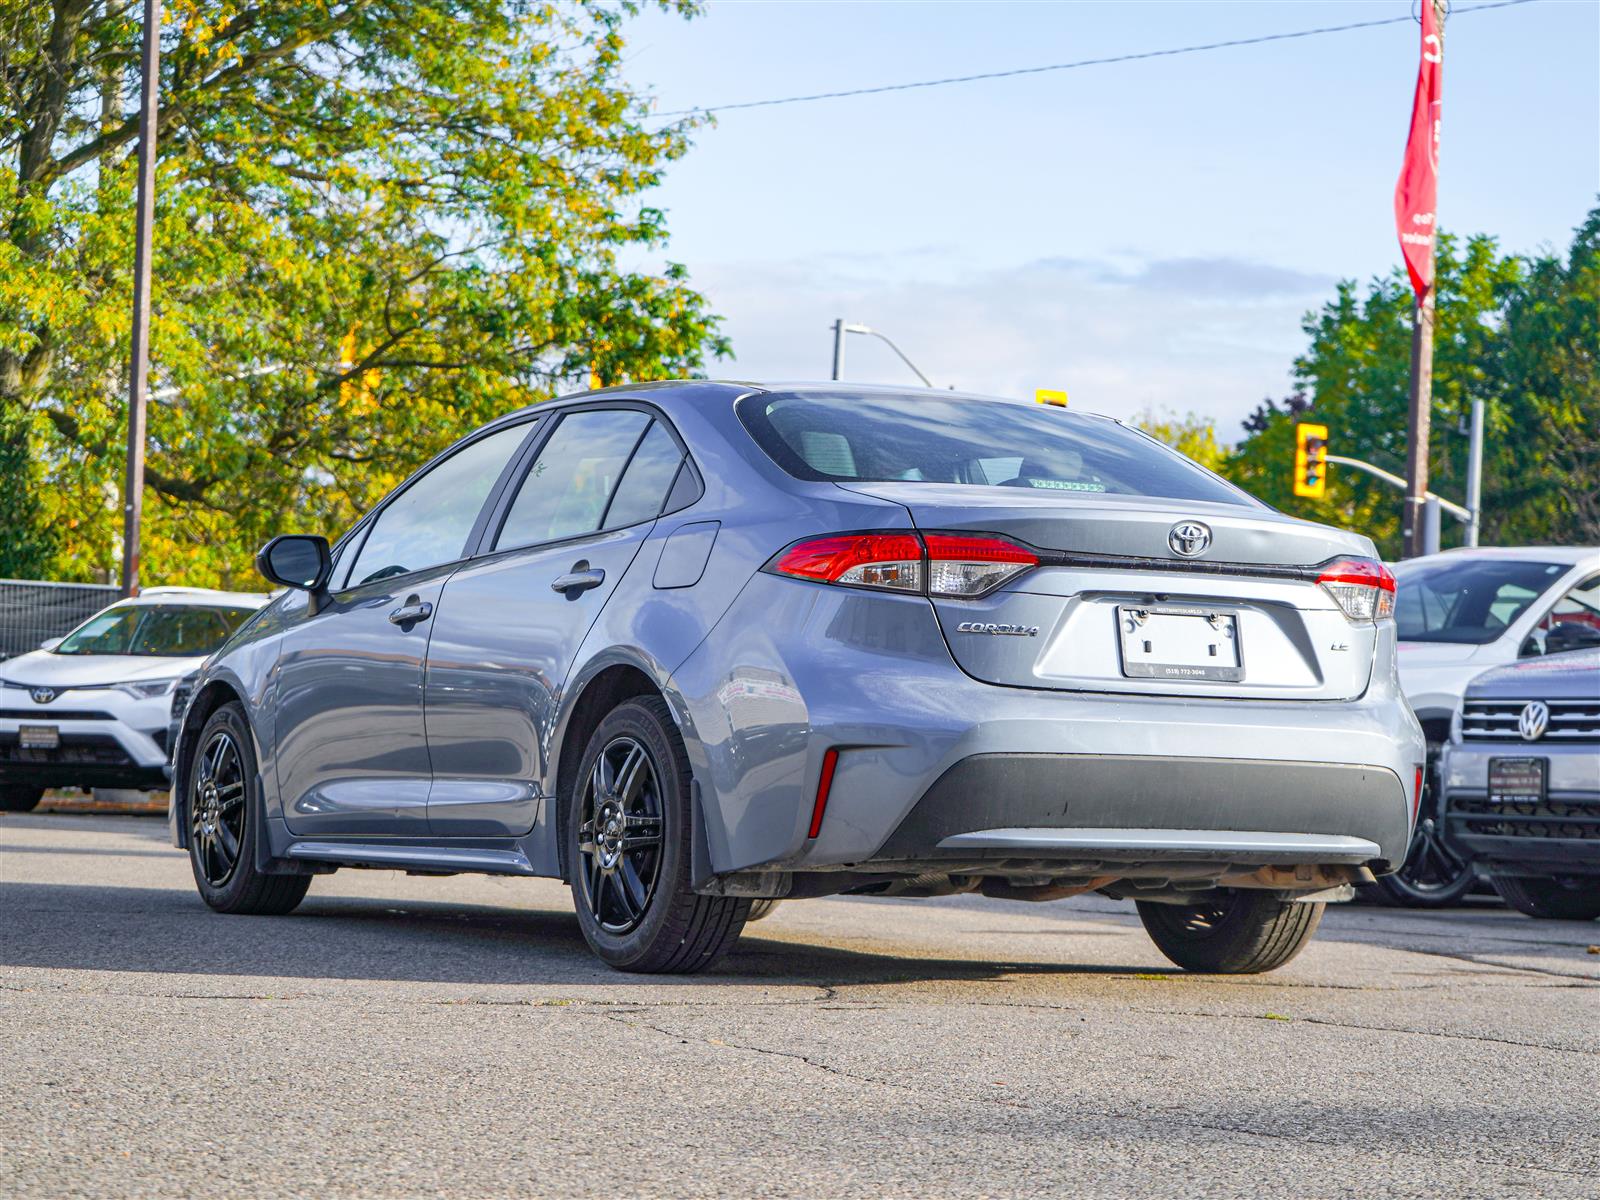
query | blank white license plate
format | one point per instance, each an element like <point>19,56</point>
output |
<point>38,737</point>
<point>1179,643</point>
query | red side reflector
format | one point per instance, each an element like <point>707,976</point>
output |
<point>830,760</point>
<point>1416,799</point>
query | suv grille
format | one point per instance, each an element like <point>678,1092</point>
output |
<point>1496,720</point>
<point>1548,819</point>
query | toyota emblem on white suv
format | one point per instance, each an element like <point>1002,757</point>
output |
<point>1533,721</point>
<point>1189,538</point>
<point>42,695</point>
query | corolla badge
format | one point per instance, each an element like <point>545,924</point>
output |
<point>997,628</point>
<point>1189,538</point>
<point>42,695</point>
<point>1533,721</point>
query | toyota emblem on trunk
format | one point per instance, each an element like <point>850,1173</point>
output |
<point>1534,720</point>
<point>1189,538</point>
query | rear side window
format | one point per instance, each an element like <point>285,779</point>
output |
<point>569,485</point>
<point>644,484</point>
<point>878,437</point>
<point>1469,601</point>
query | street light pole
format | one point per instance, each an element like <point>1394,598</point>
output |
<point>139,363</point>
<point>1475,474</point>
<point>842,327</point>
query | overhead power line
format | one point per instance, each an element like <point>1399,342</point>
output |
<point>1071,66</point>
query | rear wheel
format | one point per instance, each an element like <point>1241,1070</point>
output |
<point>1432,876</point>
<point>19,799</point>
<point>1234,933</point>
<point>1552,899</point>
<point>628,846</point>
<point>221,797</point>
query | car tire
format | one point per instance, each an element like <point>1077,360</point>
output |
<point>761,909</point>
<point>1236,933</point>
<point>627,840</point>
<point>1550,899</point>
<point>223,812</point>
<point>19,799</point>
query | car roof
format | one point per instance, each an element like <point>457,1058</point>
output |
<point>198,597</point>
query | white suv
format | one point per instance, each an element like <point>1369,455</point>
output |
<point>91,709</point>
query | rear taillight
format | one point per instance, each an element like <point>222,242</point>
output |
<point>878,560</point>
<point>938,564</point>
<point>966,565</point>
<point>1362,587</point>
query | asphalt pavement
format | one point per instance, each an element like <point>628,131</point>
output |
<point>452,1037</point>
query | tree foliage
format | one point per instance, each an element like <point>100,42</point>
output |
<point>379,223</point>
<point>1190,434</point>
<point>1519,333</point>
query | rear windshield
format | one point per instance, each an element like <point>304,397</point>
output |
<point>1465,600</point>
<point>156,631</point>
<point>845,437</point>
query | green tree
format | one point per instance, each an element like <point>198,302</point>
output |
<point>1513,332</point>
<point>379,222</point>
<point>1189,434</point>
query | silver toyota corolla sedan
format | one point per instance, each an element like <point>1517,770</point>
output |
<point>697,647</point>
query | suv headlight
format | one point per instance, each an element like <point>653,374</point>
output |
<point>1455,724</point>
<point>147,689</point>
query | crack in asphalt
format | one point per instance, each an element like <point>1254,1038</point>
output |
<point>1039,1110</point>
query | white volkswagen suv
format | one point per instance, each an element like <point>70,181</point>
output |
<point>91,709</point>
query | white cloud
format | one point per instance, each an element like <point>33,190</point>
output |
<point>1212,335</point>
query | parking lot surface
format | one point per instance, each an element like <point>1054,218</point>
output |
<point>422,1036</point>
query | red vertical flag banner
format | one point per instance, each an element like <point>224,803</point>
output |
<point>1417,191</point>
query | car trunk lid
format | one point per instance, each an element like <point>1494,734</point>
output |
<point>1114,607</point>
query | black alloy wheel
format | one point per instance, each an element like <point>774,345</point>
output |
<point>620,836</point>
<point>628,834</point>
<point>217,807</point>
<point>222,797</point>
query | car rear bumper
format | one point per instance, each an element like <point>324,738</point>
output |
<point>924,752</point>
<point>1132,809</point>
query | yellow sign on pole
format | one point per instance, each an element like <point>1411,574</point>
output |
<point>1046,396</point>
<point>1311,460</point>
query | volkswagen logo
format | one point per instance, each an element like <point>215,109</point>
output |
<point>1535,719</point>
<point>42,695</point>
<point>1189,538</point>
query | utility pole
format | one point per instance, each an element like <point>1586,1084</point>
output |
<point>139,364</point>
<point>1420,417</point>
<point>839,327</point>
<point>1475,473</point>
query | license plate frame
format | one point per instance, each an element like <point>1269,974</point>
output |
<point>39,737</point>
<point>1523,779</point>
<point>1179,642</point>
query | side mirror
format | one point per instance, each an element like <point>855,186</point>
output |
<point>50,643</point>
<point>296,560</point>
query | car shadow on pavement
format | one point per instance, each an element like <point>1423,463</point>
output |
<point>83,927</point>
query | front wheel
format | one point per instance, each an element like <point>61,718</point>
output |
<point>1233,933</point>
<point>628,850</point>
<point>221,796</point>
<point>19,799</point>
<point>1551,899</point>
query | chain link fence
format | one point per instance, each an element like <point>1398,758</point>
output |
<point>31,610</point>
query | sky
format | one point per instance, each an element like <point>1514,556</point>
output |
<point>1147,236</point>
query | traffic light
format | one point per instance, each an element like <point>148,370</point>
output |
<point>1311,460</point>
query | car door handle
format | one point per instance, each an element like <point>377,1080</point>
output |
<point>412,611</point>
<point>578,580</point>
